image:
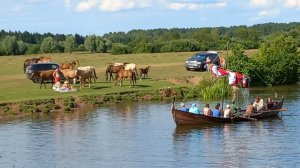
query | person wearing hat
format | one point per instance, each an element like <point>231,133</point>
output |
<point>183,108</point>
<point>66,85</point>
<point>227,111</point>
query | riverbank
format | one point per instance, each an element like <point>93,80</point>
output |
<point>75,103</point>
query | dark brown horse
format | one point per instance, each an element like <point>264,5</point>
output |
<point>112,69</point>
<point>42,76</point>
<point>144,71</point>
<point>129,74</point>
<point>70,65</point>
<point>30,61</point>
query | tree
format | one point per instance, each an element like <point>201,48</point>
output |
<point>278,60</point>
<point>48,45</point>
<point>10,45</point>
<point>70,44</point>
<point>90,43</point>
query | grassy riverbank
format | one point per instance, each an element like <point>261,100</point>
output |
<point>165,67</point>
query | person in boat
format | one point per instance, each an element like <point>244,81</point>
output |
<point>227,111</point>
<point>258,104</point>
<point>269,103</point>
<point>194,109</point>
<point>249,110</point>
<point>207,111</point>
<point>217,112</point>
<point>183,108</point>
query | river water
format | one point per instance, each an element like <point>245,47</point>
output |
<point>143,134</point>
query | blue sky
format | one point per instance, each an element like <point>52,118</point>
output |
<point>98,17</point>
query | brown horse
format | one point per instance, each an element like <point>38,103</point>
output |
<point>83,76</point>
<point>69,74</point>
<point>144,71</point>
<point>45,59</point>
<point>30,61</point>
<point>129,74</point>
<point>42,76</point>
<point>112,69</point>
<point>70,65</point>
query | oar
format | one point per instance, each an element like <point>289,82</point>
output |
<point>282,109</point>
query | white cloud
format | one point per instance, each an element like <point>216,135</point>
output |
<point>112,5</point>
<point>266,14</point>
<point>195,6</point>
<point>292,3</point>
<point>262,3</point>
<point>86,5</point>
<point>117,5</point>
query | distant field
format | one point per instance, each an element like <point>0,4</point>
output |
<point>15,86</point>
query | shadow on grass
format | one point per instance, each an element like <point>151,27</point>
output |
<point>101,87</point>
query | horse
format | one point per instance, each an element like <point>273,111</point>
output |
<point>84,75</point>
<point>69,74</point>
<point>70,65</point>
<point>90,69</point>
<point>131,66</point>
<point>112,69</point>
<point>144,71</point>
<point>43,75</point>
<point>45,59</point>
<point>129,74</point>
<point>29,61</point>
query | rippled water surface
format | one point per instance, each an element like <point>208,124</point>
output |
<point>144,135</point>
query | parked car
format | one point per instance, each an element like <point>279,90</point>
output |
<point>38,67</point>
<point>198,60</point>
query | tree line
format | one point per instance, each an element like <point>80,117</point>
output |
<point>147,41</point>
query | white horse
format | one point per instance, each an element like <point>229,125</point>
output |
<point>131,66</point>
<point>89,69</point>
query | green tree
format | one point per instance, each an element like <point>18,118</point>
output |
<point>118,48</point>
<point>10,45</point>
<point>70,44</point>
<point>22,47</point>
<point>49,45</point>
<point>90,43</point>
<point>278,60</point>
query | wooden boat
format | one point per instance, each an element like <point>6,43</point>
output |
<point>274,112</point>
<point>187,118</point>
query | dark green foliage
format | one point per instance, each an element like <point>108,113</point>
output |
<point>150,41</point>
<point>118,49</point>
<point>278,60</point>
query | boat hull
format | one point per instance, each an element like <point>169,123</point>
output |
<point>186,118</point>
<point>270,113</point>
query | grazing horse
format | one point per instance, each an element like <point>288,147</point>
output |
<point>112,69</point>
<point>144,71</point>
<point>122,73</point>
<point>83,76</point>
<point>42,76</point>
<point>70,65</point>
<point>90,69</point>
<point>69,74</point>
<point>30,61</point>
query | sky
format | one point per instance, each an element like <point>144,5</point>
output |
<point>87,17</point>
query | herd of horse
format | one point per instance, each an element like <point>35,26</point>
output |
<point>88,73</point>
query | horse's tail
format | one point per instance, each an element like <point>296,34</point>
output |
<point>94,74</point>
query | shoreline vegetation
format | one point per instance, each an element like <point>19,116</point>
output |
<point>21,97</point>
<point>168,78</point>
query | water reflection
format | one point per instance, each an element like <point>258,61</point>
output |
<point>144,135</point>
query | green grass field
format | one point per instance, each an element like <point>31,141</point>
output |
<point>16,87</point>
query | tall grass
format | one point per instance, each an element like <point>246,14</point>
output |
<point>212,87</point>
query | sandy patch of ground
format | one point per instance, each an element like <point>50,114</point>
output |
<point>187,80</point>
